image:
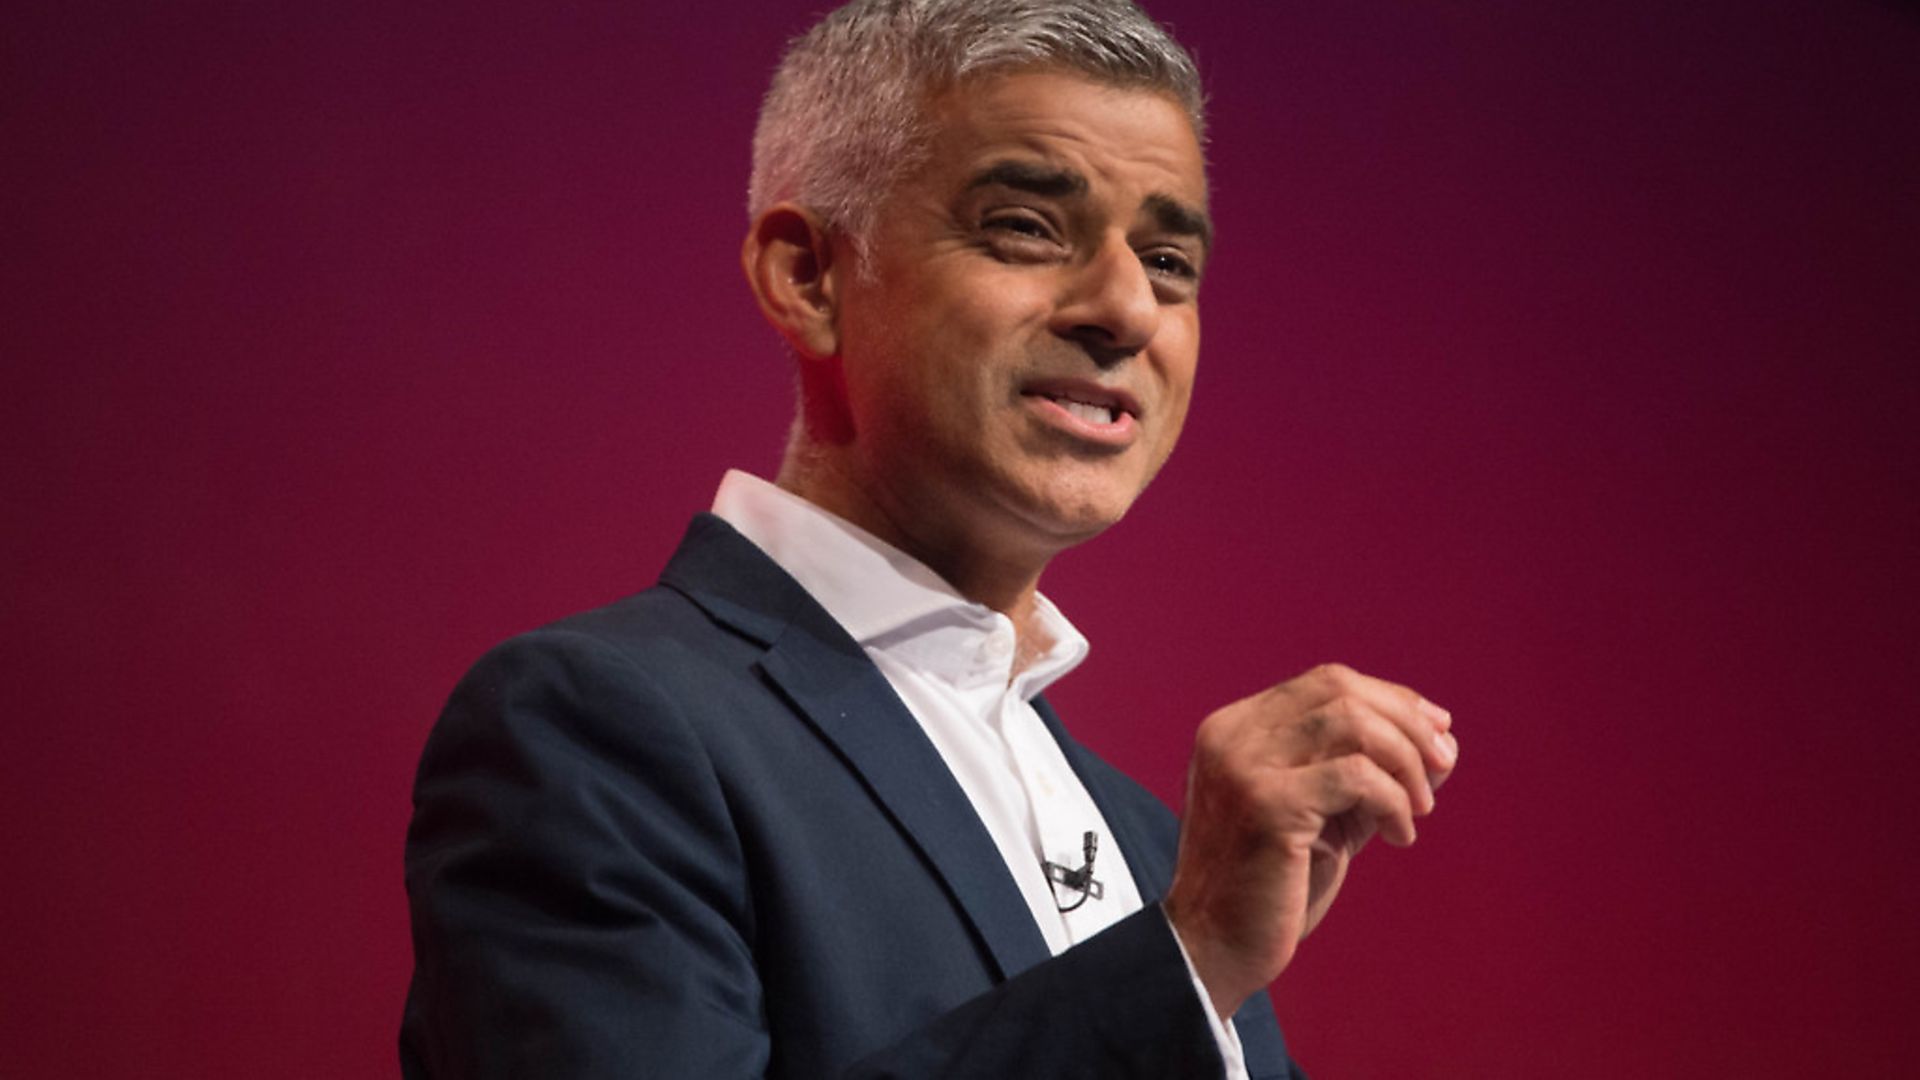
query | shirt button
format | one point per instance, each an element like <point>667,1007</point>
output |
<point>998,646</point>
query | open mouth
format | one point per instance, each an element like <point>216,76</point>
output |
<point>1089,411</point>
<point>1087,402</point>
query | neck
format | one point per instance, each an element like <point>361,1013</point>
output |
<point>988,573</point>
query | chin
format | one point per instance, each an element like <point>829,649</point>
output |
<point>1078,512</point>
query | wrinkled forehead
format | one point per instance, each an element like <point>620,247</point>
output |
<point>1064,131</point>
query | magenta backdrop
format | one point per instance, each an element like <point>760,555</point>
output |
<point>1560,363</point>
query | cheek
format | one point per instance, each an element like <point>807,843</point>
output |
<point>987,316</point>
<point>1170,433</point>
<point>972,349</point>
<point>1178,370</point>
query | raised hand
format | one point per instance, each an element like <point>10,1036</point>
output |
<point>1284,789</point>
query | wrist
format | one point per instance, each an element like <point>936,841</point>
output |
<point>1214,967</point>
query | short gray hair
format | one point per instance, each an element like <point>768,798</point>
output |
<point>845,117</point>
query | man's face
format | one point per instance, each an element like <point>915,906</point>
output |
<point>1019,361</point>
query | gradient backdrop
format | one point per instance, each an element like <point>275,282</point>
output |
<point>1560,362</point>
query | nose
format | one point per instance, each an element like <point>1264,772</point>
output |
<point>1109,309</point>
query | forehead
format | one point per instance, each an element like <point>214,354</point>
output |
<point>1139,141</point>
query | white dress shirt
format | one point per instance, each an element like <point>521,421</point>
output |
<point>951,661</point>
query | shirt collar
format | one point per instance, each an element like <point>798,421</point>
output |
<point>886,599</point>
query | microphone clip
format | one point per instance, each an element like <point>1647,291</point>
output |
<point>1079,880</point>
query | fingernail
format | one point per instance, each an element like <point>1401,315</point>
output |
<point>1441,744</point>
<point>1441,717</point>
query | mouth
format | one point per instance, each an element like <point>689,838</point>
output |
<point>1088,402</point>
<point>1092,412</point>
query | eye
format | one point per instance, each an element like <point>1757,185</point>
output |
<point>1023,224</point>
<point>1174,273</point>
<point>1172,264</point>
<point>1021,235</point>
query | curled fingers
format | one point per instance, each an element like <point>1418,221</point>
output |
<point>1355,785</point>
<point>1350,725</point>
<point>1427,725</point>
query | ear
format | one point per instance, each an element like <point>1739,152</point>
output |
<point>788,258</point>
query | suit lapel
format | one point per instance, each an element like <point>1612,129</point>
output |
<point>1150,864</point>
<point>830,682</point>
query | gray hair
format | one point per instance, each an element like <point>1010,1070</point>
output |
<point>844,120</point>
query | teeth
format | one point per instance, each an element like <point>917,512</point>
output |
<point>1092,414</point>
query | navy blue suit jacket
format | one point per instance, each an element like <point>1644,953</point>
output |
<point>696,834</point>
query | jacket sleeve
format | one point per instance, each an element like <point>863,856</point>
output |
<point>1119,1004</point>
<point>567,925</point>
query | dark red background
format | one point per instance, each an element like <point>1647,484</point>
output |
<point>1560,362</point>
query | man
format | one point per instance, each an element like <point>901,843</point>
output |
<point>799,810</point>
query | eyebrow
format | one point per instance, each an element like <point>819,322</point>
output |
<point>1174,216</point>
<point>1044,180</point>
<point>1047,181</point>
